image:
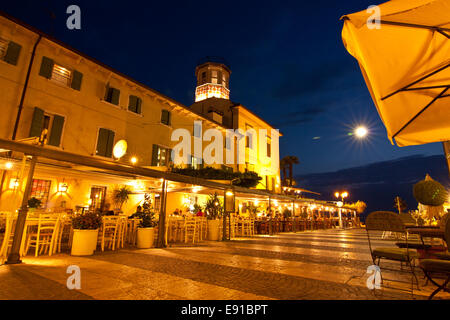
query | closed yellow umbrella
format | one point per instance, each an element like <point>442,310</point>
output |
<point>405,60</point>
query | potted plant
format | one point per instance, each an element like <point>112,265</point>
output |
<point>85,233</point>
<point>121,196</point>
<point>34,203</point>
<point>214,211</point>
<point>146,228</point>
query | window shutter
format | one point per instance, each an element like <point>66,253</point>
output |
<point>132,104</point>
<point>57,127</point>
<point>12,53</point>
<point>110,145</point>
<point>165,117</point>
<point>46,67</point>
<point>115,96</point>
<point>38,122</point>
<point>76,80</point>
<point>107,93</point>
<point>102,142</point>
<point>139,106</point>
<point>155,155</point>
<point>168,156</point>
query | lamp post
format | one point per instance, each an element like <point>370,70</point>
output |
<point>341,195</point>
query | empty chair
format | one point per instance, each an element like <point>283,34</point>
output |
<point>43,237</point>
<point>384,221</point>
<point>109,232</point>
<point>190,229</point>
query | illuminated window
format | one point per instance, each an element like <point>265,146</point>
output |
<point>40,190</point>
<point>214,77</point>
<point>61,75</point>
<point>269,149</point>
<point>161,156</point>
<point>224,80</point>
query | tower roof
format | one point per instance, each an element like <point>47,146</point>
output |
<point>214,60</point>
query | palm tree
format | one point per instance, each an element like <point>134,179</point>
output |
<point>289,161</point>
<point>283,166</point>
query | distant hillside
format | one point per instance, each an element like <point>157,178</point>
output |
<point>379,183</point>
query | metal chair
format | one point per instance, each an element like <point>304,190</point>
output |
<point>438,268</point>
<point>384,221</point>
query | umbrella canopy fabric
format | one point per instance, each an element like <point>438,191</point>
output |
<point>406,66</point>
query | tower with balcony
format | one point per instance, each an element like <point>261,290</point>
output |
<point>213,79</point>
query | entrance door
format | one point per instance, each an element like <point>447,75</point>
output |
<point>98,194</point>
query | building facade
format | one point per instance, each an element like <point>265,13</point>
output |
<point>79,105</point>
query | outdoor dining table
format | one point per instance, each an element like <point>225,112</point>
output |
<point>428,232</point>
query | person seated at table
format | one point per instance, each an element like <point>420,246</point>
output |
<point>200,213</point>
<point>176,212</point>
<point>137,213</point>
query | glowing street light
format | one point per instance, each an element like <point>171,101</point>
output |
<point>341,195</point>
<point>9,165</point>
<point>361,132</point>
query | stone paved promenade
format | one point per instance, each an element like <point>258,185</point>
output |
<point>327,264</point>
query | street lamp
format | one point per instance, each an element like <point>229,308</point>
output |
<point>341,195</point>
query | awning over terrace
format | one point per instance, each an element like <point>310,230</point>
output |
<point>404,56</point>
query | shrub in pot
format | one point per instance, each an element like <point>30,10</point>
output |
<point>432,194</point>
<point>85,232</point>
<point>214,211</point>
<point>146,228</point>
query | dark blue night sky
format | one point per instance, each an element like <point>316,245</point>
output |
<point>287,59</point>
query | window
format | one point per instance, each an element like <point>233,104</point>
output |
<point>214,77</point>
<point>269,148</point>
<point>112,95</point>
<point>248,136</point>
<point>9,51</point>
<point>195,163</point>
<point>197,129</point>
<point>135,104</point>
<point>61,75</point>
<point>203,80</point>
<point>40,190</point>
<point>53,71</point>
<point>224,80</point>
<point>161,156</point>
<point>53,123</point>
<point>165,117</point>
<point>105,143</point>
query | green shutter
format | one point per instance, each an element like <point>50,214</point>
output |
<point>12,53</point>
<point>102,142</point>
<point>110,145</point>
<point>107,93</point>
<point>155,155</point>
<point>165,117</point>
<point>55,134</point>
<point>115,94</point>
<point>139,106</point>
<point>76,80</point>
<point>37,123</point>
<point>46,67</point>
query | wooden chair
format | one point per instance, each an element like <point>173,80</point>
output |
<point>109,232</point>
<point>44,237</point>
<point>190,229</point>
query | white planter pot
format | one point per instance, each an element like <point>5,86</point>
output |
<point>213,230</point>
<point>145,237</point>
<point>84,242</point>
